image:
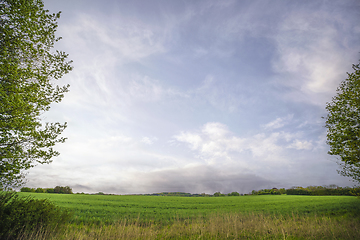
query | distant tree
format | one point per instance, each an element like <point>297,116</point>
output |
<point>323,191</point>
<point>217,194</point>
<point>343,125</point>
<point>39,190</point>
<point>57,189</point>
<point>333,186</point>
<point>63,190</point>
<point>28,70</point>
<point>50,190</point>
<point>68,190</point>
<point>234,194</point>
<point>298,191</point>
<point>27,189</point>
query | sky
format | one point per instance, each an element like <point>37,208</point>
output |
<point>199,96</point>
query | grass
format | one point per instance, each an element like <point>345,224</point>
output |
<point>165,210</point>
<point>219,226</point>
<point>244,217</point>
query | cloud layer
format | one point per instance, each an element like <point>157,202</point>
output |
<point>199,96</point>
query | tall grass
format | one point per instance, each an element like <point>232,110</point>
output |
<point>217,226</point>
<point>23,214</point>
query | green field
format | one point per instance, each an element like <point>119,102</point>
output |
<point>173,217</point>
<point>165,210</point>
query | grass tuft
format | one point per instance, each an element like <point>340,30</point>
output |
<point>220,226</point>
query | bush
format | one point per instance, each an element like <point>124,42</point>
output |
<point>273,191</point>
<point>27,189</point>
<point>50,190</point>
<point>297,191</point>
<point>63,190</point>
<point>234,194</point>
<point>23,214</point>
<point>39,190</point>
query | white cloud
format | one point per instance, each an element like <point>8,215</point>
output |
<point>311,59</point>
<point>299,145</point>
<point>265,146</point>
<point>99,46</point>
<point>129,40</point>
<point>279,122</point>
<point>214,143</point>
<point>149,140</point>
<point>194,140</point>
<point>215,130</point>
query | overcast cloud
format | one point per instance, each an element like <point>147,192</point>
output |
<point>199,96</point>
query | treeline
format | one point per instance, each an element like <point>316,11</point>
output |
<point>273,191</point>
<point>57,189</point>
<point>219,194</point>
<point>179,194</point>
<point>311,190</point>
<point>183,194</point>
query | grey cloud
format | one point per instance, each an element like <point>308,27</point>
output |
<point>82,187</point>
<point>196,179</point>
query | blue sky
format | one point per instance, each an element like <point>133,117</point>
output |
<point>199,96</point>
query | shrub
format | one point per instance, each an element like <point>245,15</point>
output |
<point>273,191</point>
<point>234,194</point>
<point>63,190</point>
<point>297,191</point>
<point>49,190</point>
<point>217,194</point>
<point>39,190</point>
<point>27,189</point>
<point>22,214</point>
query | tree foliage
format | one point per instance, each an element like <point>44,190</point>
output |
<point>19,215</point>
<point>57,189</point>
<point>29,69</point>
<point>343,124</point>
<point>64,190</point>
<point>234,194</point>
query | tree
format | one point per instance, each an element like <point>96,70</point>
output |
<point>234,194</point>
<point>27,189</point>
<point>63,190</point>
<point>343,125</point>
<point>217,194</point>
<point>39,190</point>
<point>28,72</point>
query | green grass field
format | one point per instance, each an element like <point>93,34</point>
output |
<point>242,217</point>
<point>164,210</point>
